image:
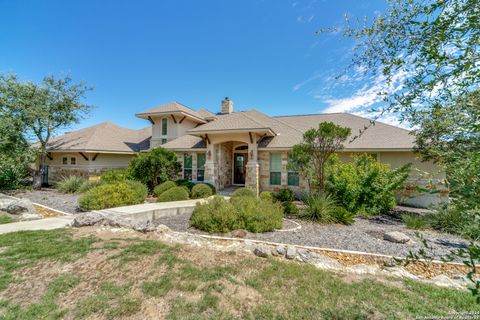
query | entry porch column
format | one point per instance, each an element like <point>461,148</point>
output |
<point>211,165</point>
<point>252,168</point>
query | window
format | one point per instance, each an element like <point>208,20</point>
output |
<point>293,178</point>
<point>275,168</point>
<point>164,141</point>
<point>73,161</point>
<point>187,166</point>
<point>200,166</point>
<point>164,126</point>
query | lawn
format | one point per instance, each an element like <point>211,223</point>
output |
<point>103,274</point>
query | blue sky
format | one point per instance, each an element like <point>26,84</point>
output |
<point>140,54</point>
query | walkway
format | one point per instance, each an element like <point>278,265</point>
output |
<point>42,224</point>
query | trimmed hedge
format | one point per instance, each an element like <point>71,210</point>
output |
<point>161,188</point>
<point>185,183</point>
<point>201,191</point>
<point>113,195</point>
<point>243,192</point>
<point>88,185</point>
<point>174,194</point>
<point>251,213</point>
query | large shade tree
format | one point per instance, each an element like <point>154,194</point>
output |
<point>41,111</point>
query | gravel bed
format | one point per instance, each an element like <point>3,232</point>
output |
<point>365,235</point>
<point>51,198</point>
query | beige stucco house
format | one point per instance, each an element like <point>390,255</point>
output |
<point>247,148</point>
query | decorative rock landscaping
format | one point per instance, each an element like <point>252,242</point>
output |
<point>18,209</point>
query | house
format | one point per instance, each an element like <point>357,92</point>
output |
<point>247,148</point>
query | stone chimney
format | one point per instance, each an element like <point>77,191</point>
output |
<point>227,105</point>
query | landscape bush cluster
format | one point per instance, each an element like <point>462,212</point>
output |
<point>254,214</point>
<point>450,219</point>
<point>364,186</point>
<point>182,190</point>
<point>111,195</point>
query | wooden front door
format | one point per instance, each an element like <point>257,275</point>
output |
<point>239,163</point>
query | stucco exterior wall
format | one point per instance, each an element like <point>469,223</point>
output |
<point>174,130</point>
<point>83,167</point>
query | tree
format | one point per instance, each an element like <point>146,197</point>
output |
<point>450,134</point>
<point>433,45</point>
<point>154,167</point>
<point>310,157</point>
<point>42,109</point>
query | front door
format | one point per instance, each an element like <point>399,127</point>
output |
<point>239,163</point>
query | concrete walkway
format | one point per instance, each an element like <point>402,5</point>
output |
<point>42,224</point>
<point>144,211</point>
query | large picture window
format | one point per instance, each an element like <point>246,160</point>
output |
<point>164,126</point>
<point>275,168</point>
<point>187,166</point>
<point>201,166</point>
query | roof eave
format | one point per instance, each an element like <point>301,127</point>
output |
<point>246,130</point>
<point>145,115</point>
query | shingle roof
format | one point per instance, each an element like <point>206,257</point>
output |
<point>206,114</point>
<point>172,107</point>
<point>243,120</point>
<point>103,137</point>
<point>378,136</point>
<point>288,130</point>
<point>186,142</point>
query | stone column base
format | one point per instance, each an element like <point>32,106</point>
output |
<point>252,179</point>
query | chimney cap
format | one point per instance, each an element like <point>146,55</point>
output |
<point>227,98</point>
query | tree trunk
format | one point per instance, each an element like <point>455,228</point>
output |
<point>38,174</point>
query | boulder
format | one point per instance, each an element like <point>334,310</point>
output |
<point>399,272</point>
<point>239,233</point>
<point>396,237</point>
<point>291,252</point>
<point>144,226</point>
<point>281,250</point>
<point>262,251</point>
<point>304,255</point>
<point>364,269</point>
<point>16,206</point>
<point>324,262</point>
<point>88,219</point>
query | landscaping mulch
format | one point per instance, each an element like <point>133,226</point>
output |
<point>51,198</point>
<point>364,235</point>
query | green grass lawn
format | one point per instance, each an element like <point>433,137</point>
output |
<point>125,276</point>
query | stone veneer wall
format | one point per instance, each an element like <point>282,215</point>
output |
<point>264,161</point>
<point>224,161</point>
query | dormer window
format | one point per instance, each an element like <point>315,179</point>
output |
<point>164,126</point>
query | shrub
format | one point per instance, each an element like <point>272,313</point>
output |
<point>290,208</point>
<point>414,222</point>
<point>185,183</point>
<point>285,194</point>
<point>12,173</point>
<point>113,195</point>
<point>89,184</point>
<point>154,167</point>
<point>215,216</point>
<point>250,213</point>
<point>174,194</point>
<point>114,175</point>
<point>201,191</point>
<point>243,192</point>
<point>214,190</point>
<point>451,219</point>
<point>322,207</point>
<point>70,184</point>
<point>161,188</point>
<point>258,215</point>
<point>365,186</point>
<point>266,195</point>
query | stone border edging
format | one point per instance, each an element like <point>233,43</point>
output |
<point>55,210</point>
<point>377,255</point>
<point>298,227</point>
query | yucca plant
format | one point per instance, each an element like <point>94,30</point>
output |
<point>320,207</point>
<point>70,184</point>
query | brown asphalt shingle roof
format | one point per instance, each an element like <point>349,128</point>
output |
<point>103,137</point>
<point>169,108</point>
